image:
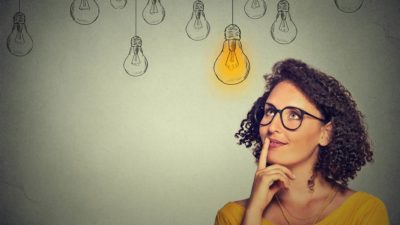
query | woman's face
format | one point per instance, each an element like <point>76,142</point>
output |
<point>296,147</point>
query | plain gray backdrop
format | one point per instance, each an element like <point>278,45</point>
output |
<point>83,143</point>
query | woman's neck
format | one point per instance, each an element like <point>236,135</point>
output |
<point>299,190</point>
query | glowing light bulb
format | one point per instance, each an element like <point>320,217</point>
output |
<point>19,42</point>
<point>283,29</point>
<point>349,6</point>
<point>154,12</point>
<point>135,63</point>
<point>255,8</point>
<point>198,27</point>
<point>84,12</point>
<point>118,4</point>
<point>232,65</point>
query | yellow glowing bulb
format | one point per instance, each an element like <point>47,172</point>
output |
<point>232,65</point>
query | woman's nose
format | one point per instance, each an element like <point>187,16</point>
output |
<point>276,124</point>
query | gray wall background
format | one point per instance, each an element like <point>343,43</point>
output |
<point>81,142</point>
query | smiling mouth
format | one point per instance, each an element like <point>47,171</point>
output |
<point>276,144</point>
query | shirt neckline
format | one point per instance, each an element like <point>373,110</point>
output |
<point>335,211</point>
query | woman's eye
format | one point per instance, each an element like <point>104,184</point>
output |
<point>269,112</point>
<point>294,116</point>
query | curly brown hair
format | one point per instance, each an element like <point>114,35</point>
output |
<point>349,148</point>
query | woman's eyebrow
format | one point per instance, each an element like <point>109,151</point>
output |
<point>267,103</point>
<point>291,106</point>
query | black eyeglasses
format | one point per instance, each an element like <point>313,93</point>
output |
<point>291,117</point>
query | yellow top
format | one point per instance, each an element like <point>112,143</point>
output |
<point>360,208</point>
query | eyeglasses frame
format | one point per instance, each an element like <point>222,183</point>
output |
<point>288,107</point>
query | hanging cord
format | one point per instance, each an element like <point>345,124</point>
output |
<point>135,17</point>
<point>232,11</point>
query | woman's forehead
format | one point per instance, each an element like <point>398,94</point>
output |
<point>286,93</point>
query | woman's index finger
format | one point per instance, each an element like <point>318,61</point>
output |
<point>262,161</point>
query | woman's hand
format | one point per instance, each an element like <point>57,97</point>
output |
<point>267,182</point>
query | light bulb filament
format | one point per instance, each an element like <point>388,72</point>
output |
<point>283,26</point>
<point>135,60</point>
<point>232,61</point>
<point>197,24</point>
<point>84,5</point>
<point>255,4</point>
<point>19,38</point>
<point>153,8</point>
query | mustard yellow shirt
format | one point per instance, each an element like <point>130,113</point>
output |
<point>360,208</point>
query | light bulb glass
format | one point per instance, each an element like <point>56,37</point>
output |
<point>19,42</point>
<point>255,9</point>
<point>283,30</point>
<point>349,6</point>
<point>118,4</point>
<point>198,27</point>
<point>135,63</point>
<point>232,65</point>
<point>154,12</point>
<point>84,12</point>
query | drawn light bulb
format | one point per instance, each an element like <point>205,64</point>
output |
<point>283,29</point>
<point>154,12</point>
<point>84,12</point>
<point>135,63</point>
<point>198,27</point>
<point>232,65</point>
<point>19,42</point>
<point>349,6</point>
<point>255,8</point>
<point>118,4</point>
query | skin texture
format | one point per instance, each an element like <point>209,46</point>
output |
<point>349,146</point>
<point>301,145</point>
<point>286,162</point>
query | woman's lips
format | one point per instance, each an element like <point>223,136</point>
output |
<point>275,144</point>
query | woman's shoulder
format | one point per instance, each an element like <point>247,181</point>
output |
<point>365,198</point>
<point>234,206</point>
<point>231,213</point>
<point>361,205</point>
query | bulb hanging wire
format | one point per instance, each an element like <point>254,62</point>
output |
<point>232,11</point>
<point>135,17</point>
<point>135,63</point>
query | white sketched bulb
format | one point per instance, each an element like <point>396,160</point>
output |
<point>283,30</point>
<point>118,4</point>
<point>135,63</point>
<point>232,65</point>
<point>84,12</point>
<point>154,12</point>
<point>349,6</point>
<point>198,27</point>
<point>19,42</point>
<point>255,9</point>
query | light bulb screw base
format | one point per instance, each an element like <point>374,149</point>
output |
<point>283,6</point>
<point>136,41</point>
<point>232,32</point>
<point>19,17</point>
<point>198,6</point>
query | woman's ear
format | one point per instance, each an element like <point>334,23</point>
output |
<point>326,134</point>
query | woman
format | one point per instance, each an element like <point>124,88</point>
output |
<point>309,139</point>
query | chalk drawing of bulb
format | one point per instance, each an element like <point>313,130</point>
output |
<point>84,12</point>
<point>135,63</point>
<point>198,27</point>
<point>255,9</point>
<point>154,12</point>
<point>349,6</point>
<point>232,65</point>
<point>118,4</point>
<point>283,30</point>
<point>19,42</point>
